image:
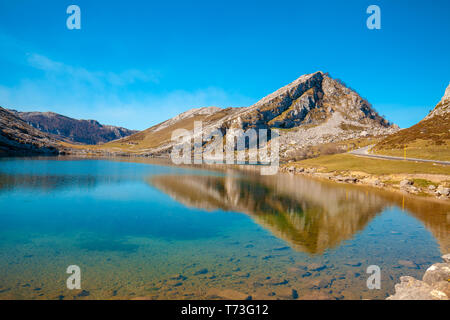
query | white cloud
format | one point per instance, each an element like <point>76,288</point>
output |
<point>106,96</point>
<point>97,78</point>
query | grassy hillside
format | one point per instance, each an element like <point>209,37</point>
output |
<point>429,139</point>
<point>348,162</point>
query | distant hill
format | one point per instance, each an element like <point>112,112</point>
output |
<point>18,137</point>
<point>428,139</point>
<point>72,130</point>
<point>313,110</point>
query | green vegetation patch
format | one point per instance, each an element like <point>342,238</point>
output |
<point>348,162</point>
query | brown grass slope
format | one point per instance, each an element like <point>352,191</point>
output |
<point>428,139</point>
<point>158,138</point>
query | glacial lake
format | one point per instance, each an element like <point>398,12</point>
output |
<point>147,230</point>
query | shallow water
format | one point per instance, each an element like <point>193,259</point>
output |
<point>144,230</point>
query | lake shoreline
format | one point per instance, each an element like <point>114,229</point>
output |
<point>437,188</point>
<point>400,183</point>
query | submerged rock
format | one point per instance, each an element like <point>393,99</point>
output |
<point>201,271</point>
<point>408,264</point>
<point>434,285</point>
<point>316,267</point>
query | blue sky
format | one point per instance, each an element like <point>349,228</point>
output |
<point>136,63</point>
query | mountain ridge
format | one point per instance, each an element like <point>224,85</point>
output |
<point>18,137</point>
<point>72,130</point>
<point>311,101</point>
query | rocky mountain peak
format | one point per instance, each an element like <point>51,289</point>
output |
<point>311,99</point>
<point>446,94</point>
<point>312,110</point>
<point>443,107</point>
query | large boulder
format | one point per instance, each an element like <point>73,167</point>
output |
<point>413,289</point>
<point>436,273</point>
<point>435,284</point>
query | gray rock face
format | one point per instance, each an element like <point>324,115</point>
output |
<point>413,289</point>
<point>446,258</point>
<point>435,284</point>
<point>437,272</point>
<point>17,137</point>
<point>68,129</point>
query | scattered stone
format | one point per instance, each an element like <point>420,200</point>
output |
<point>278,282</point>
<point>177,284</point>
<point>408,264</point>
<point>406,183</point>
<point>294,294</point>
<point>306,274</point>
<point>443,191</point>
<point>354,264</point>
<point>83,293</point>
<point>302,266</point>
<point>281,249</point>
<point>316,267</point>
<point>346,179</point>
<point>201,271</point>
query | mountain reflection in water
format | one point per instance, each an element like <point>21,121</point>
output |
<point>312,216</point>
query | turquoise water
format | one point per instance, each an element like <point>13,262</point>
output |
<point>148,231</point>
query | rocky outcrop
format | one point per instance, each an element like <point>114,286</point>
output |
<point>435,284</point>
<point>19,138</point>
<point>443,107</point>
<point>72,130</point>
